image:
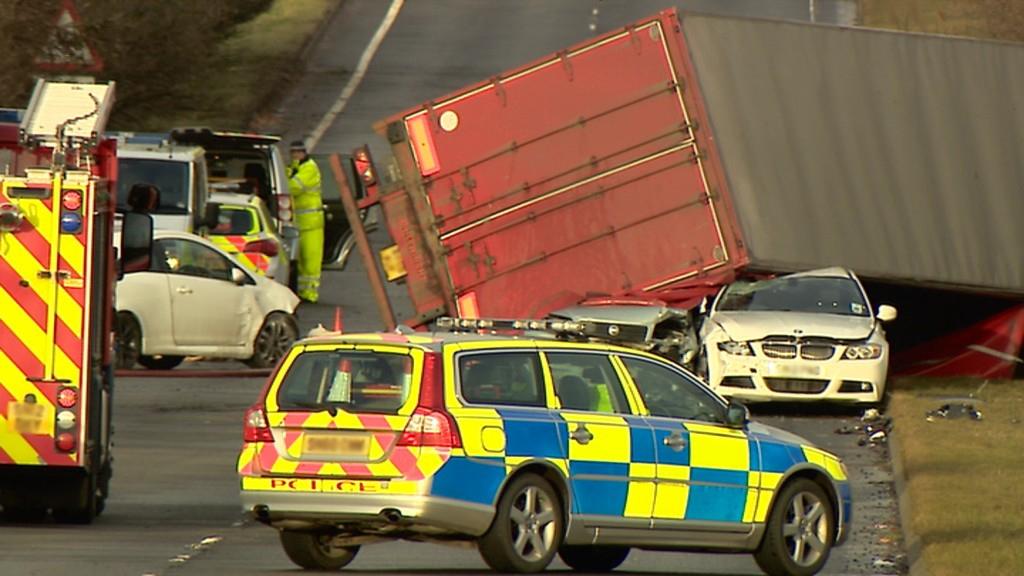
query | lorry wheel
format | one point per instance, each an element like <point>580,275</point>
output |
<point>527,529</point>
<point>161,362</point>
<point>128,336</point>
<point>593,558</point>
<point>800,530</point>
<point>314,551</point>
<point>273,340</point>
<point>82,504</point>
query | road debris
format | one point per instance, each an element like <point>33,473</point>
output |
<point>874,426</point>
<point>954,411</point>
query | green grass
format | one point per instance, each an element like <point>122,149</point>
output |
<point>253,66</point>
<point>953,17</point>
<point>964,478</point>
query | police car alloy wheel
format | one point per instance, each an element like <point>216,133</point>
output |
<point>528,527</point>
<point>800,531</point>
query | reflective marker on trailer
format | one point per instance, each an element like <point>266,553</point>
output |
<point>423,144</point>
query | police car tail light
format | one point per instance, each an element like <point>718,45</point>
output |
<point>265,247</point>
<point>430,424</point>
<point>256,428</point>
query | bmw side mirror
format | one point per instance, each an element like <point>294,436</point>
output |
<point>886,313</point>
<point>737,415</point>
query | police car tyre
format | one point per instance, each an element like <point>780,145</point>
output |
<point>593,558</point>
<point>129,340</point>
<point>273,340</point>
<point>800,531</point>
<point>161,362</point>
<point>313,550</point>
<point>528,527</point>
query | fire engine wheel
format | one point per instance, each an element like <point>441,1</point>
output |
<point>314,551</point>
<point>129,340</point>
<point>593,558</point>
<point>527,529</point>
<point>160,362</point>
<point>83,502</point>
<point>273,340</point>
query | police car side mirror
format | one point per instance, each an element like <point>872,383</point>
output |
<point>737,415</point>
<point>289,232</point>
<point>136,243</point>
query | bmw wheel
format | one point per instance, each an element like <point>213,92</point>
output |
<point>273,340</point>
<point>128,337</point>
<point>593,558</point>
<point>800,531</point>
<point>314,551</point>
<point>527,529</point>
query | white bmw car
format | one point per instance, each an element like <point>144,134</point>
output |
<point>806,336</point>
<point>196,300</point>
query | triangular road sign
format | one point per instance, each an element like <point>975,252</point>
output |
<point>67,49</point>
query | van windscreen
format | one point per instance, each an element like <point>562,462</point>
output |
<point>171,178</point>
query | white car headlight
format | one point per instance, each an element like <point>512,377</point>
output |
<point>862,352</point>
<point>736,348</point>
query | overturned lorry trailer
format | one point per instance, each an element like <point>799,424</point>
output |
<point>673,155</point>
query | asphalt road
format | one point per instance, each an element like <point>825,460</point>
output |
<point>174,504</point>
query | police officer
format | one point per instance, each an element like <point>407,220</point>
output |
<point>307,203</point>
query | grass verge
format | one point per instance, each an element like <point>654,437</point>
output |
<point>253,66</point>
<point>964,478</point>
<point>953,17</point>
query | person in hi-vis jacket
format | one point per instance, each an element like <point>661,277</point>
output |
<point>308,207</point>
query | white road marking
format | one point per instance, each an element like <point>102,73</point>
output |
<point>357,77</point>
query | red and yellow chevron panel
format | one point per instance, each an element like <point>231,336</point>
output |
<point>235,245</point>
<point>43,293</point>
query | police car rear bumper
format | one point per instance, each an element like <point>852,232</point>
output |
<point>416,513</point>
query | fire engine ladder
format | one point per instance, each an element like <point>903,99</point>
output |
<point>67,118</point>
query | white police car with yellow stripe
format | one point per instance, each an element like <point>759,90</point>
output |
<point>528,447</point>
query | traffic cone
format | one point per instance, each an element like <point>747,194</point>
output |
<point>337,319</point>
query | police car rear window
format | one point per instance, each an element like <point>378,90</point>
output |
<point>352,381</point>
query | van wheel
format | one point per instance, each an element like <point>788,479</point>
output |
<point>314,551</point>
<point>161,362</point>
<point>527,529</point>
<point>800,531</point>
<point>128,336</point>
<point>593,558</point>
<point>273,340</point>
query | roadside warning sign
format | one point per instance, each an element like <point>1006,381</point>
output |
<point>66,50</point>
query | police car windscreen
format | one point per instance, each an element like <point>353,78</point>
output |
<point>353,381</point>
<point>171,178</point>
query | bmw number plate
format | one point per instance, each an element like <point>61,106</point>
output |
<point>335,444</point>
<point>797,370</point>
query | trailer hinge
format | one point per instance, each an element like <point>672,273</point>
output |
<point>566,64</point>
<point>634,38</point>
<point>499,90</point>
<point>467,181</point>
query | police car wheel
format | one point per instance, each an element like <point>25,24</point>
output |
<point>593,558</point>
<point>527,529</point>
<point>800,531</point>
<point>313,550</point>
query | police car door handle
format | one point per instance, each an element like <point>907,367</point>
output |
<point>183,290</point>
<point>581,434</point>
<point>674,441</point>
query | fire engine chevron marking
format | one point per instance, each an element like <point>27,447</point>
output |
<point>15,348</point>
<point>72,251</point>
<point>29,300</point>
<point>43,450</point>
<point>33,236</point>
<point>15,447</point>
<point>69,311</point>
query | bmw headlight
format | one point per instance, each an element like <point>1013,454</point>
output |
<point>736,348</point>
<point>862,352</point>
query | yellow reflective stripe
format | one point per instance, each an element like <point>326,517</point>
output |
<point>482,431</point>
<point>73,251</point>
<point>636,405</point>
<point>717,451</point>
<point>26,328</point>
<point>826,460</point>
<point>69,311</point>
<point>611,438</point>
<point>54,239</point>
<point>246,457</point>
<point>673,491</point>
<point>27,266</point>
<point>16,446</point>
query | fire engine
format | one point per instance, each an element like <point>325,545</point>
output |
<point>58,270</point>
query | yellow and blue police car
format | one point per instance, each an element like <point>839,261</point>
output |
<point>529,447</point>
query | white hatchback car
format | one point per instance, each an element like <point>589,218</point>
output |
<point>196,300</point>
<point>806,336</point>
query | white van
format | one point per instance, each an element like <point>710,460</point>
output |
<point>178,171</point>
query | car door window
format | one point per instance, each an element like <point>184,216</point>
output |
<point>506,378</point>
<point>177,256</point>
<point>586,382</point>
<point>671,394</point>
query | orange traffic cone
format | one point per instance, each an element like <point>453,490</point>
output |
<point>337,319</point>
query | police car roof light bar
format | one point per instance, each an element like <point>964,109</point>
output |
<point>450,324</point>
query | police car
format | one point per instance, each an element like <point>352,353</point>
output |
<point>529,447</point>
